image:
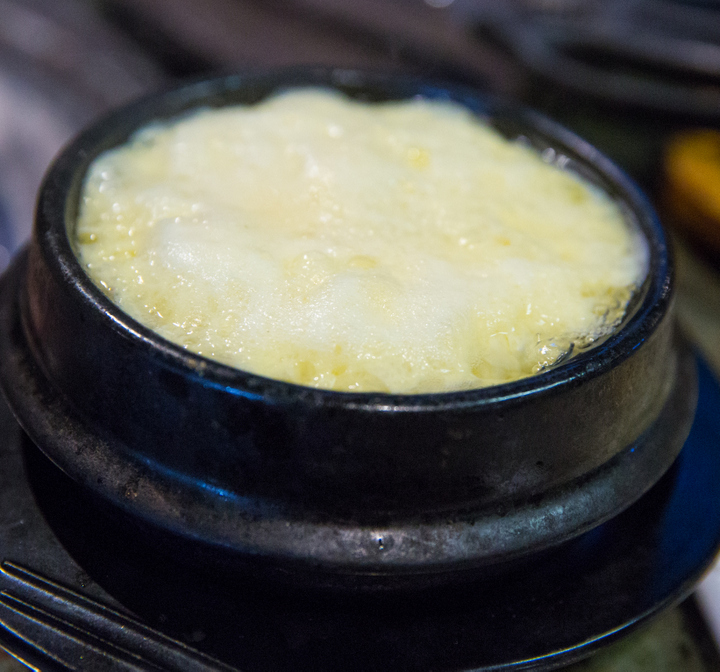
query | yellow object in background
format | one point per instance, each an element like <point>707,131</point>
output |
<point>690,203</point>
<point>691,194</point>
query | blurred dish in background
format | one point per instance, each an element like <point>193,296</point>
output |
<point>60,66</point>
<point>621,74</point>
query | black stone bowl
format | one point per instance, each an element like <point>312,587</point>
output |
<point>338,489</point>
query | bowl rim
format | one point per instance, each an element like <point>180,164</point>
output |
<point>60,195</point>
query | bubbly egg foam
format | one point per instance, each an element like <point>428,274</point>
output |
<point>399,247</point>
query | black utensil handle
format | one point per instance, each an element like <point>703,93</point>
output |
<point>48,625</point>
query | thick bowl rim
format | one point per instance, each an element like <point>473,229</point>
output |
<point>59,198</point>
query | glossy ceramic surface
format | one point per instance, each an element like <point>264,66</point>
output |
<point>351,489</point>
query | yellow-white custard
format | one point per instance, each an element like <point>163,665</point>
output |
<point>402,247</point>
